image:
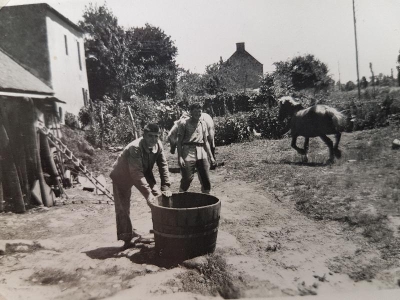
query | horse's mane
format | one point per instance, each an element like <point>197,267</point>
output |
<point>291,101</point>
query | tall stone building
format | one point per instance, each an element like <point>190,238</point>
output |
<point>249,70</point>
<point>51,48</point>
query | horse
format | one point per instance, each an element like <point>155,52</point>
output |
<point>318,120</point>
<point>173,133</point>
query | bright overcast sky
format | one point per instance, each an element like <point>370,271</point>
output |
<point>272,30</point>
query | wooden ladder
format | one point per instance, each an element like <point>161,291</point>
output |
<point>56,142</point>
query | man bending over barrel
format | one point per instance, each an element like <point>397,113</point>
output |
<point>194,150</point>
<point>134,168</point>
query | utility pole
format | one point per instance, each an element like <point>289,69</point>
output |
<point>355,36</point>
<point>340,83</point>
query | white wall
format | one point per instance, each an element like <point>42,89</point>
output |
<point>67,78</point>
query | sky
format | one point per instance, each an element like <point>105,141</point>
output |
<point>272,30</point>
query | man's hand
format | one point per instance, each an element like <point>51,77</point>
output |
<point>181,162</point>
<point>150,200</point>
<point>213,162</point>
<point>167,193</point>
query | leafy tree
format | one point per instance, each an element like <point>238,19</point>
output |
<point>107,54</point>
<point>221,77</point>
<point>364,83</point>
<point>398,69</point>
<point>139,61</point>
<point>155,61</point>
<point>350,85</point>
<point>189,84</point>
<point>268,91</point>
<point>303,72</point>
<point>385,80</point>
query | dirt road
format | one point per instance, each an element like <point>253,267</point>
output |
<point>70,251</point>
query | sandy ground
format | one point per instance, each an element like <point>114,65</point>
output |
<point>70,251</point>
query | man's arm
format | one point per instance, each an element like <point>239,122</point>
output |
<point>181,131</point>
<point>136,172</point>
<point>163,169</point>
<point>208,150</point>
<point>207,145</point>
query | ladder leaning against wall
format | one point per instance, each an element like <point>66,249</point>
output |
<point>56,142</point>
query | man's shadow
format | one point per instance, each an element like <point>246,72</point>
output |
<point>143,255</point>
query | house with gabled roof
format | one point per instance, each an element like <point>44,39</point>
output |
<point>249,70</point>
<point>50,47</point>
<point>42,75</point>
<point>26,103</point>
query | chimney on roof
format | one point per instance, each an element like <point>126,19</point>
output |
<point>240,47</point>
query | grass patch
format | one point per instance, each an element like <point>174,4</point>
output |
<point>211,278</point>
<point>49,276</point>
<point>360,189</point>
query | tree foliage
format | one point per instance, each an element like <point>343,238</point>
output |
<point>363,83</point>
<point>122,63</point>
<point>350,85</point>
<point>104,48</point>
<point>189,84</point>
<point>221,77</point>
<point>155,59</point>
<point>303,72</point>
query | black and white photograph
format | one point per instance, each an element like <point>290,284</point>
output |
<point>199,149</point>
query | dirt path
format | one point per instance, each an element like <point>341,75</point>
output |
<point>70,251</point>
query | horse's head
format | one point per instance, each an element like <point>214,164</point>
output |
<point>287,107</point>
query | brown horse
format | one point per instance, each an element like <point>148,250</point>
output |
<point>317,120</point>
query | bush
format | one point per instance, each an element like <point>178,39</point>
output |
<point>71,121</point>
<point>265,120</point>
<point>110,121</point>
<point>232,129</point>
<point>84,116</point>
<point>226,103</point>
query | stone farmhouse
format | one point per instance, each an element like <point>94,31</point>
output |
<point>248,68</point>
<point>42,75</point>
<point>50,47</point>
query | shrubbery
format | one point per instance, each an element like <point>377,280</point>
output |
<point>265,120</point>
<point>71,121</point>
<point>109,121</point>
<point>235,115</point>
<point>232,129</point>
<point>374,110</point>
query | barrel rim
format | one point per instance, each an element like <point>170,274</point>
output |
<point>188,208</point>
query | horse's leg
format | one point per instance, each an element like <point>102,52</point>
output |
<point>336,151</point>
<point>329,143</point>
<point>306,142</point>
<point>294,146</point>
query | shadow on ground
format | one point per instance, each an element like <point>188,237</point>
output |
<point>148,256</point>
<point>296,163</point>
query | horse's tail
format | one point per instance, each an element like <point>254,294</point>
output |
<point>339,119</point>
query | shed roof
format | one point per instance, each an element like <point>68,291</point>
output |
<point>15,78</point>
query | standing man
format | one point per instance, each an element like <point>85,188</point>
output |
<point>134,168</point>
<point>194,150</point>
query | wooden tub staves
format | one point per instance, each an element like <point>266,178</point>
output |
<point>185,225</point>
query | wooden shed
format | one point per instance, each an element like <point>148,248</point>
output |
<point>26,104</point>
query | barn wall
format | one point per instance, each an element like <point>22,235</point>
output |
<point>22,182</point>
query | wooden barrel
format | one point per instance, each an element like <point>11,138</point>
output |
<point>185,225</point>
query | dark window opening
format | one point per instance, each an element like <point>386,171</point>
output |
<point>79,56</point>
<point>66,44</point>
<point>60,112</point>
<point>84,94</point>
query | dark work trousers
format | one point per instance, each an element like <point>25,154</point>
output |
<point>122,203</point>
<point>203,167</point>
